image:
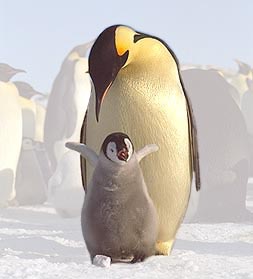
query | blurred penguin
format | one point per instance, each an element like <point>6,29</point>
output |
<point>67,103</point>
<point>224,148</point>
<point>28,92</point>
<point>64,187</point>
<point>247,110</point>
<point>247,106</point>
<point>67,106</point>
<point>33,166</point>
<point>7,72</point>
<point>10,140</point>
<point>239,80</point>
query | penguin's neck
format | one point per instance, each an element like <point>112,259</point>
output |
<point>158,68</point>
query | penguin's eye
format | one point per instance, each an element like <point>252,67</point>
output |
<point>111,151</point>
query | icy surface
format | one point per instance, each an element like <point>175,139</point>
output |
<point>36,243</point>
<point>39,244</point>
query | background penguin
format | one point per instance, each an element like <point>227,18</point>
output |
<point>247,110</point>
<point>10,140</point>
<point>33,166</point>
<point>65,190</point>
<point>138,91</point>
<point>224,148</point>
<point>7,72</point>
<point>119,219</point>
<point>67,104</point>
<point>27,91</point>
<point>239,80</point>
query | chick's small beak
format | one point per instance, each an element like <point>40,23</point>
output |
<point>123,154</point>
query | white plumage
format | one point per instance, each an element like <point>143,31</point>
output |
<point>10,139</point>
<point>64,187</point>
<point>30,184</point>
<point>66,109</point>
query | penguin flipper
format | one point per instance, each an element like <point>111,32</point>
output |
<point>146,150</point>
<point>82,161</point>
<point>193,139</point>
<point>85,152</point>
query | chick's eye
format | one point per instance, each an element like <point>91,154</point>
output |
<point>112,150</point>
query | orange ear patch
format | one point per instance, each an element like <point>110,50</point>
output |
<point>121,49</point>
<point>123,39</point>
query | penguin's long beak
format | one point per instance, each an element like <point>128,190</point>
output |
<point>35,92</point>
<point>104,64</point>
<point>15,71</point>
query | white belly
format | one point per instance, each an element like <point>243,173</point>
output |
<point>10,139</point>
<point>81,99</point>
<point>161,120</point>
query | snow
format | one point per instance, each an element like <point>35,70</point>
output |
<point>35,242</point>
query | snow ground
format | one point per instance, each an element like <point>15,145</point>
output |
<point>36,243</point>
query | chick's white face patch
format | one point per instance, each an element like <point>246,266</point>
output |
<point>129,148</point>
<point>111,152</point>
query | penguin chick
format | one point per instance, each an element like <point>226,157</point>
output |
<point>118,217</point>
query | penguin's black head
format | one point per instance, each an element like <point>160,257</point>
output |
<point>7,72</point>
<point>26,90</point>
<point>117,147</point>
<point>116,48</point>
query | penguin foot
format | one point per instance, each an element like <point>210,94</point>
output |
<point>140,257</point>
<point>164,248</point>
<point>123,260</point>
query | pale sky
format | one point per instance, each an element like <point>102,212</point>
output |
<point>37,35</point>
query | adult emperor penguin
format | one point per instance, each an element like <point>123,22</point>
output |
<point>119,219</point>
<point>10,140</point>
<point>67,103</point>
<point>7,72</point>
<point>138,90</point>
